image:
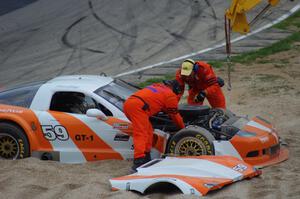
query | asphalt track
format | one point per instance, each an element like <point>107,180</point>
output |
<point>49,38</point>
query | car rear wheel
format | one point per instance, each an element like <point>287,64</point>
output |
<point>191,141</point>
<point>13,142</point>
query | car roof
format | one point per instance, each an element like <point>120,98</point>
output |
<point>81,82</point>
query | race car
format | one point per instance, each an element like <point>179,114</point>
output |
<point>79,118</point>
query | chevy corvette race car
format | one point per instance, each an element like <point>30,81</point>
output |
<point>79,118</point>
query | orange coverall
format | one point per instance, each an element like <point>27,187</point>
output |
<point>204,79</point>
<point>159,98</point>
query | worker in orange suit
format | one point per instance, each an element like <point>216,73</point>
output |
<point>202,82</point>
<point>144,104</point>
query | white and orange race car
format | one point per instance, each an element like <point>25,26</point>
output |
<point>79,118</point>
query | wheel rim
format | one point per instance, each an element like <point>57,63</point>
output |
<point>9,147</point>
<point>190,146</point>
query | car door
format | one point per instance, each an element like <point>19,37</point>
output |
<point>80,138</point>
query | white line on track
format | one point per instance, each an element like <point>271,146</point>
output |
<point>283,17</point>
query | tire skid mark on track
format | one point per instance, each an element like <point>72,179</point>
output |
<point>126,57</point>
<point>106,24</point>
<point>214,15</point>
<point>196,11</point>
<point>67,63</point>
<point>182,36</point>
<point>212,32</point>
<point>123,51</point>
<point>64,38</point>
<point>218,44</point>
<point>125,54</point>
<point>122,48</point>
<point>164,10</point>
<point>67,43</point>
<point>169,6</point>
<point>21,42</point>
<point>149,7</point>
<point>82,69</point>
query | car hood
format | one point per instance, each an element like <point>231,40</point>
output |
<point>192,175</point>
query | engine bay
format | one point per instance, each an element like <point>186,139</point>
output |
<point>222,124</point>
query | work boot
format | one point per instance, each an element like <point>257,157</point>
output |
<point>137,162</point>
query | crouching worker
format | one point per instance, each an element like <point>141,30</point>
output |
<point>202,82</point>
<point>144,104</point>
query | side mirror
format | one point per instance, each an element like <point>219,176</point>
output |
<point>93,112</point>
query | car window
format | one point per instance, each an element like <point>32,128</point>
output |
<point>20,96</point>
<point>75,102</point>
<point>116,92</point>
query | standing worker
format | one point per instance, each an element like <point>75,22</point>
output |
<point>144,104</point>
<point>202,83</point>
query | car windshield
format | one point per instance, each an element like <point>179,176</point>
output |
<point>20,96</point>
<point>117,92</point>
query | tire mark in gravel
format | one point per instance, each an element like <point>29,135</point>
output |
<point>106,24</point>
<point>195,13</point>
<point>67,43</point>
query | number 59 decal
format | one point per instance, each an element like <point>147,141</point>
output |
<point>52,133</point>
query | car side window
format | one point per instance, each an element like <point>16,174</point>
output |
<point>75,102</point>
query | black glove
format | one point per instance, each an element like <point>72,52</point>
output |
<point>220,81</point>
<point>200,97</point>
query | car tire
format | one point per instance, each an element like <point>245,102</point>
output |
<point>13,142</point>
<point>191,141</point>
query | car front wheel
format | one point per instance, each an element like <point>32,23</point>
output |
<point>191,141</point>
<point>13,142</point>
